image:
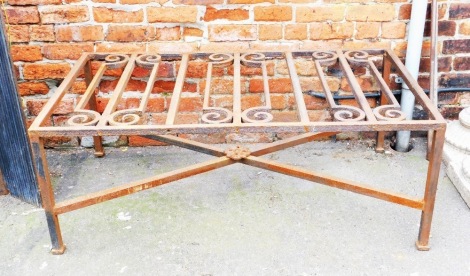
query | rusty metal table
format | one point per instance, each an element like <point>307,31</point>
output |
<point>86,121</point>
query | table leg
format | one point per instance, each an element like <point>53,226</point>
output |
<point>435,158</point>
<point>47,194</point>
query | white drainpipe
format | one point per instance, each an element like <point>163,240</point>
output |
<point>413,57</point>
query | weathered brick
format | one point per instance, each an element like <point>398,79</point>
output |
<point>128,2</point>
<point>445,28</point>
<point>459,11</point>
<point>66,50</point>
<point>273,13</point>
<point>303,67</point>
<point>123,33</point>
<point>455,80</point>
<point>295,31</point>
<point>155,105</point>
<point>172,33</point>
<point>368,84</point>
<point>365,44</point>
<point>33,2</point>
<point>22,15</point>
<point>226,14</point>
<point>393,30</point>
<point>25,53</point>
<point>251,100</point>
<point>456,46</point>
<point>253,71</point>
<point>78,87</point>
<point>184,14</point>
<point>367,30</point>
<point>249,1</point>
<point>191,104</point>
<point>312,14</point>
<point>462,63</point>
<point>103,1</point>
<point>170,47</point>
<point>42,33</point>
<point>376,12</point>
<point>270,32</point>
<point>314,84</point>
<point>189,31</point>
<point>35,106</point>
<point>32,88</point>
<point>444,64</point>
<point>64,14</point>
<point>163,86</point>
<point>281,85</point>
<point>18,33</point>
<point>107,86</point>
<point>405,11</point>
<point>314,103</point>
<point>232,32</point>
<point>278,101</point>
<point>35,71</point>
<point>79,33</point>
<point>197,2</point>
<point>106,15</point>
<point>331,31</point>
<point>464,28</point>
<point>139,141</point>
<point>120,47</point>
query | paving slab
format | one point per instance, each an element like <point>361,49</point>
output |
<point>239,220</point>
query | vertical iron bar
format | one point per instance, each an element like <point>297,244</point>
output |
<point>431,188</point>
<point>434,64</point>
<point>97,140</point>
<point>237,98</point>
<point>299,97</point>
<point>387,68</point>
<point>175,97</point>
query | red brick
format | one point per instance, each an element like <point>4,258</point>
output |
<point>78,87</point>
<point>393,30</point>
<point>405,11</point>
<point>367,84</point>
<point>122,33</point>
<point>155,105</point>
<point>232,32</point>
<point>192,104</point>
<point>367,30</point>
<point>107,86</point>
<point>273,13</point>
<point>278,101</point>
<point>139,141</point>
<point>185,14</point>
<point>22,15</point>
<point>314,103</point>
<point>188,31</point>
<point>35,106</point>
<point>188,118</point>
<point>303,67</point>
<point>197,2</point>
<point>33,2</point>
<point>372,12</point>
<point>270,32</point>
<point>106,15</point>
<point>444,64</point>
<point>45,71</point>
<point>18,33</point>
<point>275,85</point>
<point>25,53</point>
<point>252,71</point>
<point>454,80</point>
<point>42,33</point>
<point>249,1</point>
<point>66,50</point>
<point>459,11</point>
<point>167,34</point>
<point>249,101</point>
<point>462,63</point>
<point>138,1</point>
<point>464,28</point>
<point>311,14</point>
<point>64,14</point>
<point>295,31</point>
<point>79,33</point>
<point>320,31</point>
<point>32,88</point>
<point>120,47</point>
<point>162,86</point>
<point>456,46</point>
<point>225,14</point>
<point>224,101</point>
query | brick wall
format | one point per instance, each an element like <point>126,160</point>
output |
<point>47,36</point>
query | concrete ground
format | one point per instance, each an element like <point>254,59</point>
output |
<point>239,220</point>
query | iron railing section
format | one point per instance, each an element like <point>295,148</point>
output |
<point>386,116</point>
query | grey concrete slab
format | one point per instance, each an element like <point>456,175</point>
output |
<point>239,220</point>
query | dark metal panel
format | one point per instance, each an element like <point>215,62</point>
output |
<point>15,152</point>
